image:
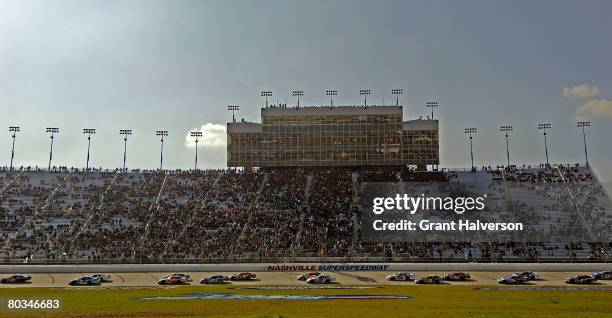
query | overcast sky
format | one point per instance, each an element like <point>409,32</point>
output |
<point>176,65</point>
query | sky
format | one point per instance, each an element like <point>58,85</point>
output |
<point>176,65</point>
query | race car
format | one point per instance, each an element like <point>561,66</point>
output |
<point>603,275</point>
<point>173,280</point>
<point>529,275</point>
<point>512,280</point>
<point>431,279</point>
<point>321,279</point>
<point>214,279</point>
<point>104,278</point>
<point>243,276</point>
<point>306,276</point>
<point>186,277</point>
<point>84,281</point>
<point>400,276</point>
<point>581,279</point>
<point>457,276</point>
<point>16,279</point>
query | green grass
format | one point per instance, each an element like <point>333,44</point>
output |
<point>429,301</point>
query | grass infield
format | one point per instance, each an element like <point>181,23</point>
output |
<point>428,301</point>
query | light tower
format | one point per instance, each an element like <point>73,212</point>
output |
<point>197,135</point>
<point>266,94</point>
<point>331,94</point>
<point>365,93</point>
<point>52,131</point>
<point>161,133</point>
<point>397,93</point>
<point>125,133</point>
<point>582,124</point>
<point>432,105</point>
<point>544,127</point>
<point>507,129</point>
<point>88,132</point>
<point>470,132</point>
<point>298,94</point>
<point>14,130</point>
<point>233,109</point>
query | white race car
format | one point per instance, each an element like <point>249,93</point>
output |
<point>104,278</point>
<point>305,276</point>
<point>214,279</point>
<point>400,276</point>
<point>185,277</point>
<point>84,281</point>
<point>321,279</point>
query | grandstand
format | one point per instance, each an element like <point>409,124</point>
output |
<point>72,216</point>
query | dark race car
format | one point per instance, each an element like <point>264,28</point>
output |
<point>431,279</point>
<point>243,276</point>
<point>457,276</point>
<point>581,279</point>
<point>16,279</point>
<point>529,275</point>
<point>512,280</point>
<point>603,275</point>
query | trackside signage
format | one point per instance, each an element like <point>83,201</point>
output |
<point>327,267</point>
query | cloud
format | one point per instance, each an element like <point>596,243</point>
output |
<point>595,108</point>
<point>213,136</point>
<point>581,91</point>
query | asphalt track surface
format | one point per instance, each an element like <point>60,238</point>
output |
<point>148,275</point>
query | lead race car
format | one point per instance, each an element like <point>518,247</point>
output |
<point>603,275</point>
<point>104,278</point>
<point>16,279</point>
<point>581,279</point>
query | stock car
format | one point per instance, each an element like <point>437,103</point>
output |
<point>306,276</point>
<point>84,281</point>
<point>400,276</point>
<point>104,278</point>
<point>214,279</point>
<point>603,275</point>
<point>186,277</point>
<point>243,276</point>
<point>514,279</point>
<point>581,279</point>
<point>529,275</point>
<point>457,276</point>
<point>321,279</point>
<point>16,279</point>
<point>173,280</point>
<point>430,279</point>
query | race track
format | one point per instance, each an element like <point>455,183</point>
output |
<point>148,275</point>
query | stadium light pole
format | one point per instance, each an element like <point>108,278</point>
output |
<point>161,133</point>
<point>432,105</point>
<point>266,94</point>
<point>331,94</point>
<point>52,131</point>
<point>14,130</point>
<point>125,133</point>
<point>397,93</point>
<point>88,132</point>
<point>196,135</point>
<point>507,129</point>
<point>298,94</point>
<point>365,93</point>
<point>582,124</point>
<point>544,127</point>
<point>233,109</point>
<point>470,132</point>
